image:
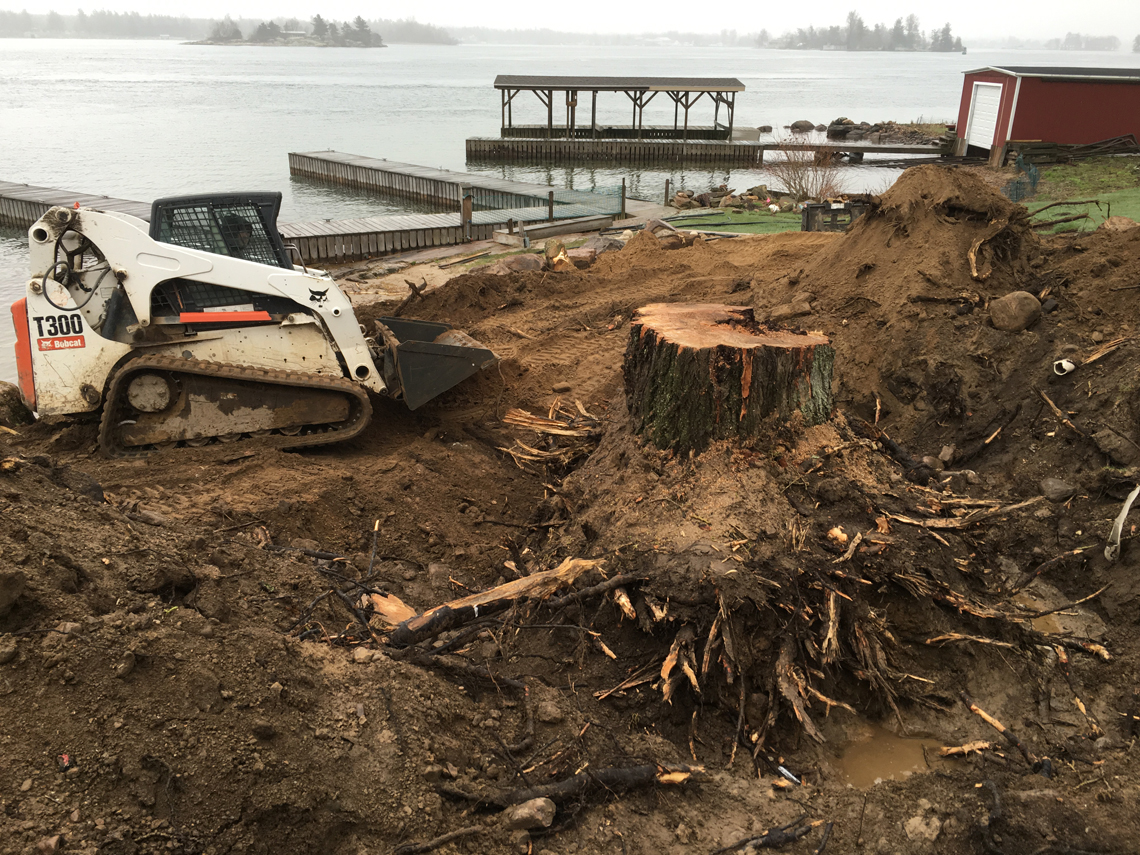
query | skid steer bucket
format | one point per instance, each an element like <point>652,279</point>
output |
<point>425,359</point>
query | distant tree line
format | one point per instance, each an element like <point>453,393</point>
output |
<point>408,31</point>
<point>546,36</point>
<point>1077,41</point>
<point>855,34</point>
<point>100,24</point>
<point>358,33</point>
<point>132,25</point>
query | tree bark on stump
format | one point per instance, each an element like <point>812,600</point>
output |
<point>698,372</point>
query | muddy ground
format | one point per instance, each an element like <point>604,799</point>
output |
<point>170,627</point>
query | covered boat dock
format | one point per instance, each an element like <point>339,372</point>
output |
<point>685,92</point>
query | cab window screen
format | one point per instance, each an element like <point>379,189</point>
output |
<point>233,229</point>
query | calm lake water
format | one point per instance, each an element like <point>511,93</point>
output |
<point>139,120</point>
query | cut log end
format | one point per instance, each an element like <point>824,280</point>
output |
<point>699,372</point>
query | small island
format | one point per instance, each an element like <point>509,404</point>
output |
<point>293,34</point>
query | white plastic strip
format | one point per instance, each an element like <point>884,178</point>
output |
<point>1112,550</point>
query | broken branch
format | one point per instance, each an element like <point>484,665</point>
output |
<point>436,842</point>
<point>537,586</point>
<point>774,838</point>
<point>1043,766</point>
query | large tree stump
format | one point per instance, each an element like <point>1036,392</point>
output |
<point>697,372</point>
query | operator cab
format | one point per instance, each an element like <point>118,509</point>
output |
<point>240,225</point>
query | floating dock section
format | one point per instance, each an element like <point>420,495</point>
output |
<point>22,204</point>
<point>744,154</point>
<point>624,152</point>
<point>494,204</point>
<point>320,242</point>
<point>445,188</point>
<point>335,241</point>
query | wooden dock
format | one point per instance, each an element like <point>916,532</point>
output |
<point>628,152</point>
<point>335,241</point>
<point>23,204</point>
<point>319,242</point>
<point>436,186</point>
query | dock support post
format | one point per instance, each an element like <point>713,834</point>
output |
<point>623,198</point>
<point>594,115</point>
<point>465,216</point>
<point>666,191</point>
<point>550,206</point>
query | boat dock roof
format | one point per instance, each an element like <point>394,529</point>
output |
<point>619,84</point>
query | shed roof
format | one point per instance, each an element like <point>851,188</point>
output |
<point>620,84</point>
<point>1061,72</point>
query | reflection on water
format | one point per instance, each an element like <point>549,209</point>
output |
<point>318,201</point>
<point>649,183</point>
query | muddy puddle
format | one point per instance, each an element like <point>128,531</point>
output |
<point>877,755</point>
<point>1069,621</point>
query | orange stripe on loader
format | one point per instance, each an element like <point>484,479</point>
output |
<point>24,353</point>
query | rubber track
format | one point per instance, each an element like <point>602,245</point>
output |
<point>116,393</point>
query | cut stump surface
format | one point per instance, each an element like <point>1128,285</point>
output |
<point>698,372</point>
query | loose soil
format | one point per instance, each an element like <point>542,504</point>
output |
<point>177,641</point>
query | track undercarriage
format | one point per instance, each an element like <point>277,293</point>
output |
<point>159,401</point>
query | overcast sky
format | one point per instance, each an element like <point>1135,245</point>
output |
<point>968,18</point>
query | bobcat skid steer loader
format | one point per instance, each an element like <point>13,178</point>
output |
<point>200,329</point>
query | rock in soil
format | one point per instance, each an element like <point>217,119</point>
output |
<point>1056,490</point>
<point>1015,312</point>
<point>536,813</point>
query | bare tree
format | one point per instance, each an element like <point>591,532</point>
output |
<point>805,175</point>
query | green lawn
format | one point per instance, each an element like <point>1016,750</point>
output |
<point>745,222</point>
<point>1088,178</point>
<point>1122,203</point>
<point>1112,181</point>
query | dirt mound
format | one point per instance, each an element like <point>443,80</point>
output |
<point>920,267</point>
<point>918,238</point>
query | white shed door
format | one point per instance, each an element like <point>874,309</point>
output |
<point>985,105</point>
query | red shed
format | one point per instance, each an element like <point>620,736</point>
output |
<point>1046,104</point>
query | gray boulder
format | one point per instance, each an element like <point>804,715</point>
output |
<point>1015,312</point>
<point>524,262</point>
<point>802,126</point>
<point>601,243</point>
